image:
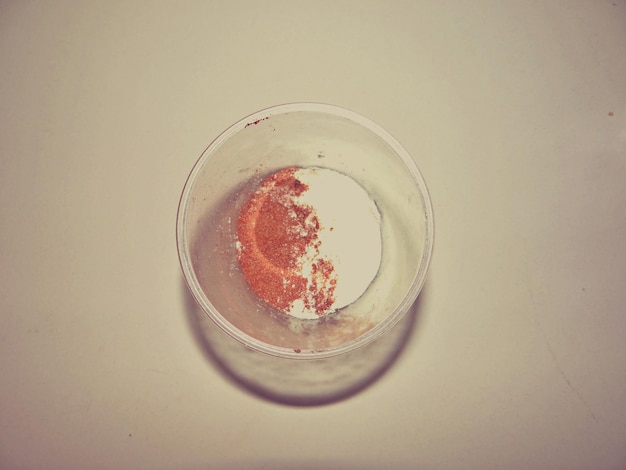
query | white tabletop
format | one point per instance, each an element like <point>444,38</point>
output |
<point>514,111</point>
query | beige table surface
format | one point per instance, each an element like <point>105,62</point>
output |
<point>514,111</point>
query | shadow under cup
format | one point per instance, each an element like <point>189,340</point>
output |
<point>303,135</point>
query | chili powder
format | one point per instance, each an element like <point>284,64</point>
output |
<point>278,247</point>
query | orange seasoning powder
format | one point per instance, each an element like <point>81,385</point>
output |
<point>278,247</point>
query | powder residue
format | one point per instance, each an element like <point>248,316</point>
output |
<point>299,240</point>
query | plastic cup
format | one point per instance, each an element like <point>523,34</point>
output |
<point>230,170</point>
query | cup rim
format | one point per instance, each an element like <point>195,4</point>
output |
<point>249,341</point>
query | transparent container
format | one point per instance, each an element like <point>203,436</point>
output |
<point>230,170</point>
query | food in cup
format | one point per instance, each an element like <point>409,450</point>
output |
<point>309,241</point>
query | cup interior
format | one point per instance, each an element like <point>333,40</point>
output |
<point>303,135</point>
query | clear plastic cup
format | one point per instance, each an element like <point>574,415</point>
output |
<point>303,135</point>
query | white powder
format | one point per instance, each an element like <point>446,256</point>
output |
<point>349,235</point>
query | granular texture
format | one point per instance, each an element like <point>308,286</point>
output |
<point>278,247</point>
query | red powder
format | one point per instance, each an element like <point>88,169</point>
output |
<point>274,232</point>
<point>257,121</point>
